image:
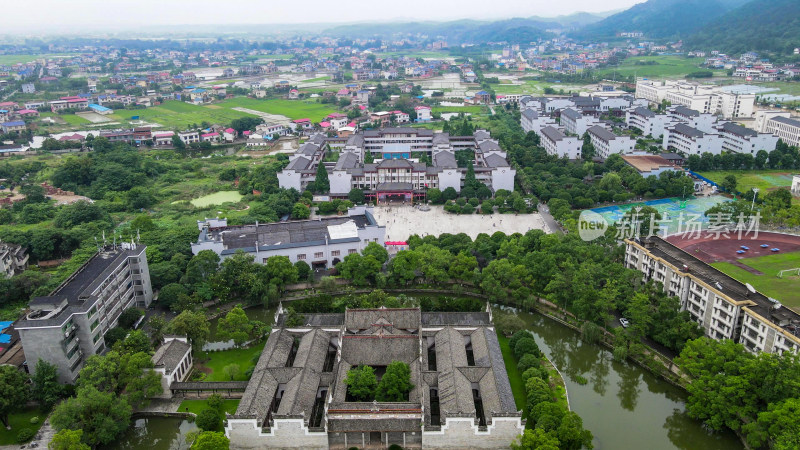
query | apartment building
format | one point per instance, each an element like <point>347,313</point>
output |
<point>322,243</point>
<point>691,141</point>
<point>786,128</point>
<point>607,143</point>
<point>764,116</point>
<point>398,142</point>
<point>648,122</point>
<point>705,99</point>
<point>302,168</point>
<point>724,307</point>
<point>739,139</point>
<point>557,143</point>
<point>576,123</point>
<point>13,259</point>
<point>702,121</point>
<point>189,137</point>
<point>69,325</point>
<point>531,120</point>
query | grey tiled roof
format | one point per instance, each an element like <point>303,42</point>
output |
<point>602,133</point>
<point>642,111</point>
<point>445,160</point>
<point>299,163</point>
<point>738,130</point>
<point>170,355</point>
<point>495,160</point>
<point>553,133</point>
<point>571,113</point>
<point>686,130</point>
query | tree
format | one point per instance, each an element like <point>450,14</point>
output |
<point>129,317</point>
<point>300,211</point>
<point>209,440</point>
<point>537,439</point>
<point>170,294</point>
<point>571,433</point>
<point>209,420</point>
<point>280,271</point>
<point>729,183</point>
<point>114,335</point>
<point>526,346</point>
<point>321,183</point>
<point>231,371</point>
<point>356,196</point>
<point>136,342</point>
<point>157,325</point>
<point>361,383</point>
<point>177,142</point>
<point>303,271</point>
<point>434,195</point>
<point>46,390</point>
<point>68,440</point>
<point>14,391</point>
<point>235,326</point>
<point>377,251</point>
<point>192,325</point>
<point>395,383</point>
<point>449,194</point>
<point>202,266</point>
<point>101,415</point>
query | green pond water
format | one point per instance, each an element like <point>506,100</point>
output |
<point>216,198</point>
<point>155,433</point>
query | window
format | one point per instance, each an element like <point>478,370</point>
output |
<point>318,255</point>
<point>351,251</point>
<point>95,324</point>
<point>336,252</point>
<point>95,338</point>
<point>301,257</point>
<point>92,312</point>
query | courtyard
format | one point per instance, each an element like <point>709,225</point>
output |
<point>404,220</point>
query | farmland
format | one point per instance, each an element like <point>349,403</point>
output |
<point>655,66</point>
<point>293,109</point>
<point>179,115</point>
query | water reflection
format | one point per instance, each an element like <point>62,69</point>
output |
<point>155,433</point>
<point>623,405</point>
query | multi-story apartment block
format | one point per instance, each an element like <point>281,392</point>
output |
<point>575,122</point>
<point>691,141</point>
<point>786,128</point>
<point>189,137</point>
<point>69,325</point>
<point>13,259</point>
<point>557,143</point>
<point>703,98</point>
<point>648,122</point>
<point>695,119</point>
<point>531,120</point>
<point>322,243</point>
<point>607,143</point>
<point>724,307</point>
<point>739,139</point>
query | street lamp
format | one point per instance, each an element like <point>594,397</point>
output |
<point>755,194</point>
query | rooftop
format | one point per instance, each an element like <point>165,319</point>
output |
<point>735,128</point>
<point>688,131</point>
<point>602,133</point>
<point>647,163</point>
<point>684,111</point>
<point>787,120</point>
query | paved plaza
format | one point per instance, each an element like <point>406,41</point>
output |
<point>403,221</point>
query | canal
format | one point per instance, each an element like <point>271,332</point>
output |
<point>624,406</point>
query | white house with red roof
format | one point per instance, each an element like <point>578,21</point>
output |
<point>163,139</point>
<point>423,113</point>
<point>210,137</point>
<point>229,134</point>
<point>401,117</point>
<point>303,124</point>
<point>294,94</point>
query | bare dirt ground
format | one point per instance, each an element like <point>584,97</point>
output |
<point>403,221</point>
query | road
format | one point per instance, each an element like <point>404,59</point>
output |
<point>548,219</point>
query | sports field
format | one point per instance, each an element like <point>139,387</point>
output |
<point>673,210</point>
<point>764,180</point>
<point>764,277</point>
<point>656,66</point>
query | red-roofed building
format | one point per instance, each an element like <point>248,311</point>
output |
<point>229,134</point>
<point>28,113</point>
<point>210,137</point>
<point>293,94</point>
<point>303,124</point>
<point>11,106</point>
<point>74,137</point>
<point>163,139</point>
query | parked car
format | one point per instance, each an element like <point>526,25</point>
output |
<point>624,322</point>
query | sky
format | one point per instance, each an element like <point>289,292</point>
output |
<point>58,15</point>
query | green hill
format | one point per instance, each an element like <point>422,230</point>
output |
<point>761,25</point>
<point>661,18</point>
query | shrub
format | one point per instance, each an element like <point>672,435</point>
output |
<point>25,435</point>
<point>590,332</point>
<point>34,420</point>
<point>536,372</point>
<point>517,336</point>
<point>526,362</point>
<point>527,346</point>
<point>620,353</point>
<point>209,420</point>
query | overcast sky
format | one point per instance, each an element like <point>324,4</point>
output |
<point>58,14</point>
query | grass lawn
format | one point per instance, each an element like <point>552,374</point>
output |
<point>472,109</point>
<point>195,406</point>
<point>18,421</point>
<point>26,58</point>
<point>666,66</point>
<point>212,363</point>
<point>217,198</point>
<point>72,119</point>
<point>514,377</point>
<point>311,80</point>
<point>746,179</point>
<point>293,109</point>
<point>786,289</point>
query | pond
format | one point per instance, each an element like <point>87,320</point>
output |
<point>624,406</point>
<point>155,433</point>
<point>217,198</point>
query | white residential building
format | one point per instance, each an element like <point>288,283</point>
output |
<point>607,143</point>
<point>707,99</point>
<point>648,122</point>
<point>691,141</point>
<point>787,129</point>
<point>575,122</point>
<point>557,143</point>
<point>702,121</point>
<point>531,120</point>
<point>762,118</point>
<point>739,139</point>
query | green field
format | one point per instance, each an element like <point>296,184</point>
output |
<point>179,115</point>
<point>533,87</point>
<point>747,179</point>
<point>293,109</point>
<point>72,119</point>
<point>786,289</point>
<point>667,66</point>
<point>195,406</point>
<point>212,363</point>
<point>472,109</point>
<point>10,60</point>
<point>18,421</point>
